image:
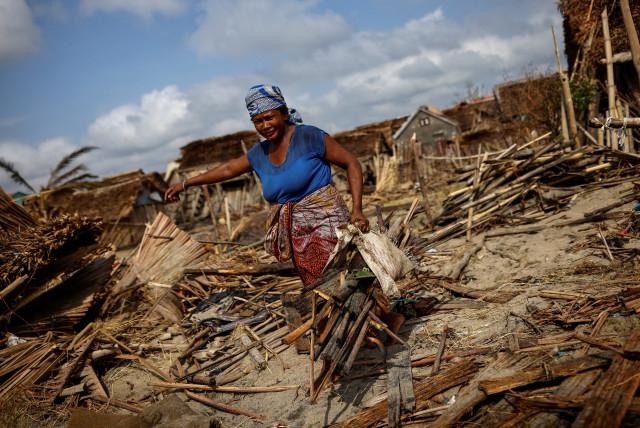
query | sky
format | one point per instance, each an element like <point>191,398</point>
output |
<point>141,78</point>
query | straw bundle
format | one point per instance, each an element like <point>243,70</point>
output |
<point>160,260</point>
<point>386,170</point>
<point>35,248</point>
<point>13,217</point>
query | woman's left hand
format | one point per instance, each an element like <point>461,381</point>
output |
<point>360,221</point>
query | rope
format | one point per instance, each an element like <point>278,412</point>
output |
<point>620,131</point>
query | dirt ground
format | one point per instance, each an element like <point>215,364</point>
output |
<point>522,263</point>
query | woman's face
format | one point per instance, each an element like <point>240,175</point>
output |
<point>270,124</point>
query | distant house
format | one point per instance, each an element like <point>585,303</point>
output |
<point>432,129</point>
<point>125,203</point>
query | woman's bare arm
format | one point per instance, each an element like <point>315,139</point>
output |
<point>338,155</point>
<point>226,171</point>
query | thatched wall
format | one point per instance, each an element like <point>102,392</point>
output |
<point>582,17</point>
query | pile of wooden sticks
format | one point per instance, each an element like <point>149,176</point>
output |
<point>343,318</point>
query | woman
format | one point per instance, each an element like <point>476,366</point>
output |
<point>293,163</point>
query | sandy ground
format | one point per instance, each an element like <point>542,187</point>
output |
<point>522,263</point>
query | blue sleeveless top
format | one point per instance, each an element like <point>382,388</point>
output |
<point>303,171</point>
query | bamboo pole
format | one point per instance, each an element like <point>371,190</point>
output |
<point>611,87</point>
<point>312,355</point>
<point>566,90</point>
<point>476,180</point>
<point>622,137</point>
<point>634,43</point>
<point>417,157</point>
<point>564,128</point>
<point>629,122</point>
<point>630,143</point>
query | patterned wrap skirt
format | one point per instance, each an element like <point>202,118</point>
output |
<point>304,231</point>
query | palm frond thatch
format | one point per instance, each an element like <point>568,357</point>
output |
<point>55,181</point>
<point>14,174</point>
<point>66,161</point>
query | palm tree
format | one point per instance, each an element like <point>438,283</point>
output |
<point>62,174</point>
<point>14,174</point>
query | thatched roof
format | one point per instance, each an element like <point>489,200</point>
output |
<point>111,199</point>
<point>363,140</point>
<point>582,18</point>
<point>213,150</point>
<point>535,99</point>
<point>472,114</point>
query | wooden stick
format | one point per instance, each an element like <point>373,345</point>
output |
<point>11,287</point>
<point>634,42</point>
<point>611,86</point>
<point>474,190</point>
<point>377,323</point>
<point>222,407</point>
<point>422,179</point>
<point>312,355</point>
<point>566,91</point>
<point>297,333</point>
<point>606,245</point>
<point>443,340</point>
<point>224,389</point>
<point>628,122</point>
<point>117,403</point>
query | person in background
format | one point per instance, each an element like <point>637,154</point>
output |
<point>293,162</point>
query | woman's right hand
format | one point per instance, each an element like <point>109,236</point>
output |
<point>173,192</point>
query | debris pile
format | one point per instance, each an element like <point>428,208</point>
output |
<point>523,185</point>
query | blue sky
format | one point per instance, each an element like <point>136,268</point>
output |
<point>140,78</point>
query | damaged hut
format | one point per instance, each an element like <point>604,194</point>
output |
<point>124,203</point>
<point>600,54</point>
<point>531,103</point>
<point>221,201</point>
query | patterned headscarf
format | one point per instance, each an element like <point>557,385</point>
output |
<point>261,98</point>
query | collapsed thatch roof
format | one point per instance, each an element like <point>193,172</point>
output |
<point>473,114</point>
<point>535,99</point>
<point>582,19</point>
<point>367,139</point>
<point>361,141</point>
<point>213,150</point>
<point>110,199</point>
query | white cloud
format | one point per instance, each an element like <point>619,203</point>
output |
<point>160,115</point>
<point>19,36</point>
<point>143,8</point>
<point>230,27</point>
